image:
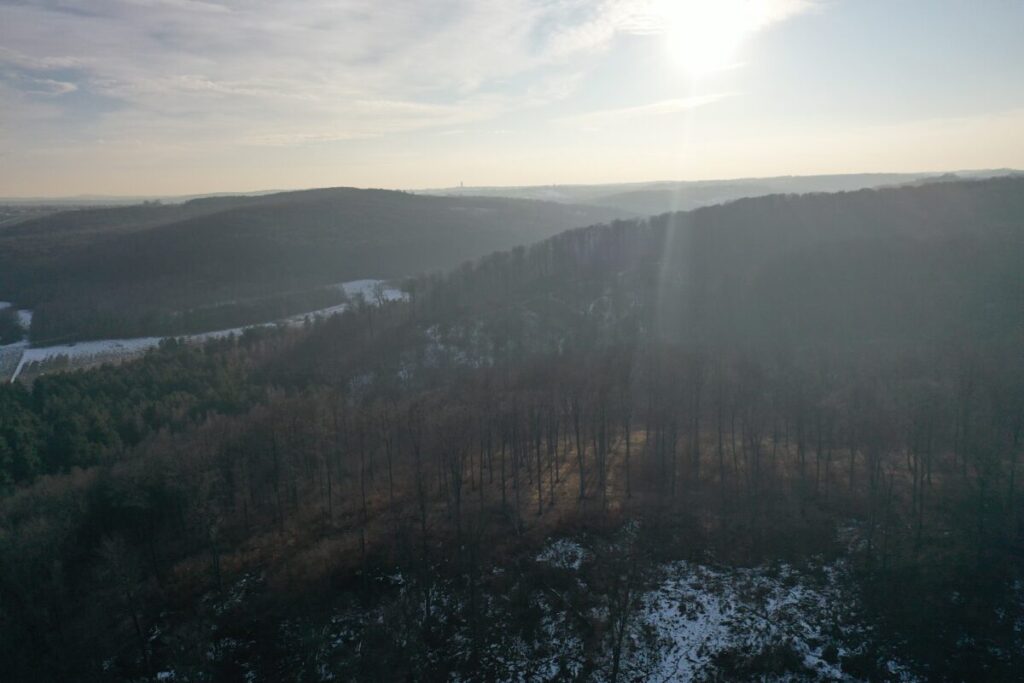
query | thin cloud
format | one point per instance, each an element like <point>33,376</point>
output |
<point>595,120</point>
<point>651,17</point>
<point>260,60</point>
<point>206,80</point>
<point>268,63</point>
<point>50,87</point>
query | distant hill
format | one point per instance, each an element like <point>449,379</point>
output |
<point>138,269</point>
<point>653,198</point>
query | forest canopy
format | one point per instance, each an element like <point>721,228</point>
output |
<point>783,377</point>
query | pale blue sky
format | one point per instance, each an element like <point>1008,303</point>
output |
<point>188,96</point>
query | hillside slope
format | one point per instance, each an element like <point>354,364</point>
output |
<point>789,426</point>
<point>898,265</point>
<point>136,270</point>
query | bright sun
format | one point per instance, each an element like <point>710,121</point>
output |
<point>704,35</point>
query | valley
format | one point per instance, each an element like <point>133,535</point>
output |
<point>19,357</point>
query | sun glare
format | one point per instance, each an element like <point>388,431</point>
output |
<point>703,36</point>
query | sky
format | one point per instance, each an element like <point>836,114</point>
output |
<point>165,97</point>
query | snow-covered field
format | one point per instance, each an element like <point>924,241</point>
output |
<point>14,358</point>
<point>98,350</point>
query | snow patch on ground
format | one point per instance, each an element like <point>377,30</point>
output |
<point>564,554</point>
<point>707,617</point>
<point>25,318</point>
<point>369,290</point>
<point>459,346</point>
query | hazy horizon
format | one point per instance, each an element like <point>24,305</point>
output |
<point>217,192</point>
<point>179,97</point>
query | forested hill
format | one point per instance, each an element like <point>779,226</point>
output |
<point>900,264</point>
<point>135,270</point>
<point>769,385</point>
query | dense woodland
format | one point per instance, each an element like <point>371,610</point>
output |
<point>220,262</point>
<point>785,377</point>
